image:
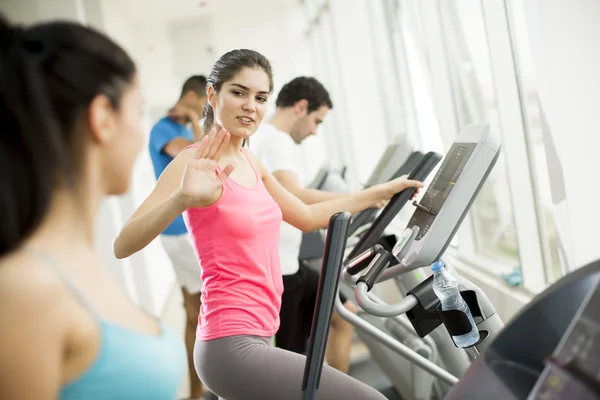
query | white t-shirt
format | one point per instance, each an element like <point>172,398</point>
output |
<point>277,150</point>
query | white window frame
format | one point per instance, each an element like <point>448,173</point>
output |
<point>514,141</point>
<point>512,133</point>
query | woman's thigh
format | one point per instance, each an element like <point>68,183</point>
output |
<point>247,367</point>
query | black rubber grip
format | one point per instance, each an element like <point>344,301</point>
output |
<point>380,262</point>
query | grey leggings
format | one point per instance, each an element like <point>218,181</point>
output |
<point>248,368</point>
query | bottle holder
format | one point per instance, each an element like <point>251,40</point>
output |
<point>427,315</point>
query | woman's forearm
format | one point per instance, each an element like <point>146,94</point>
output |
<point>140,230</point>
<point>320,213</point>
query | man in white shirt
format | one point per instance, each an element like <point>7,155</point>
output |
<point>302,105</point>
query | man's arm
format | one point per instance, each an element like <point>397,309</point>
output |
<point>291,182</point>
<point>184,114</point>
<point>177,144</point>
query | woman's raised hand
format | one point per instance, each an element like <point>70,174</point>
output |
<point>200,179</point>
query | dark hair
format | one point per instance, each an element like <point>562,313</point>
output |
<point>304,88</point>
<point>49,74</point>
<point>226,67</point>
<point>196,84</point>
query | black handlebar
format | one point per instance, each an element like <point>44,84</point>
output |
<point>335,243</point>
<point>380,262</point>
<point>368,215</point>
<point>420,173</point>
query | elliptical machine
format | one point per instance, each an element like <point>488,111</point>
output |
<point>428,234</point>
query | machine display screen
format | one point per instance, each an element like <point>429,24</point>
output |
<point>446,176</point>
<point>442,185</point>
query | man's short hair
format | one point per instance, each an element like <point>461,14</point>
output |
<point>196,84</point>
<point>304,88</point>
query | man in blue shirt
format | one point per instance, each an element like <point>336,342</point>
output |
<point>168,137</point>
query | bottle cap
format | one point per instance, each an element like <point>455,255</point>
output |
<point>436,266</point>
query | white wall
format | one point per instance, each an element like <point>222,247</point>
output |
<point>20,11</point>
<point>149,45</point>
<point>192,48</point>
<point>29,11</point>
<point>260,29</point>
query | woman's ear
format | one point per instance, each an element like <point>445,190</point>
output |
<point>211,94</point>
<point>101,119</point>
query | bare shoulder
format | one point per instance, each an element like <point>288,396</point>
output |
<point>30,290</point>
<point>34,338</point>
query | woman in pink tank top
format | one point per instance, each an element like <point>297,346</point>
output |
<point>233,208</point>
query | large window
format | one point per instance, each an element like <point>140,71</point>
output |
<point>429,68</point>
<point>409,42</point>
<point>465,67</point>
<point>475,100</point>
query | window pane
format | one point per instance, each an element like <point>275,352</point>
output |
<point>473,85</point>
<point>534,124</point>
<point>429,129</point>
<point>312,8</point>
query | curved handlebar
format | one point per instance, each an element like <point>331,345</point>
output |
<point>383,310</point>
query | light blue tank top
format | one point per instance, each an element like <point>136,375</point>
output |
<point>129,365</point>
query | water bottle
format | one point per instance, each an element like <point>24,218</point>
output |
<point>445,286</point>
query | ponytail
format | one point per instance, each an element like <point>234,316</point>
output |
<point>208,115</point>
<point>31,148</point>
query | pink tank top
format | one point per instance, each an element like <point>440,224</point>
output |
<point>237,240</point>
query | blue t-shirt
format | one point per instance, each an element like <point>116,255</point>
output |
<point>162,133</point>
